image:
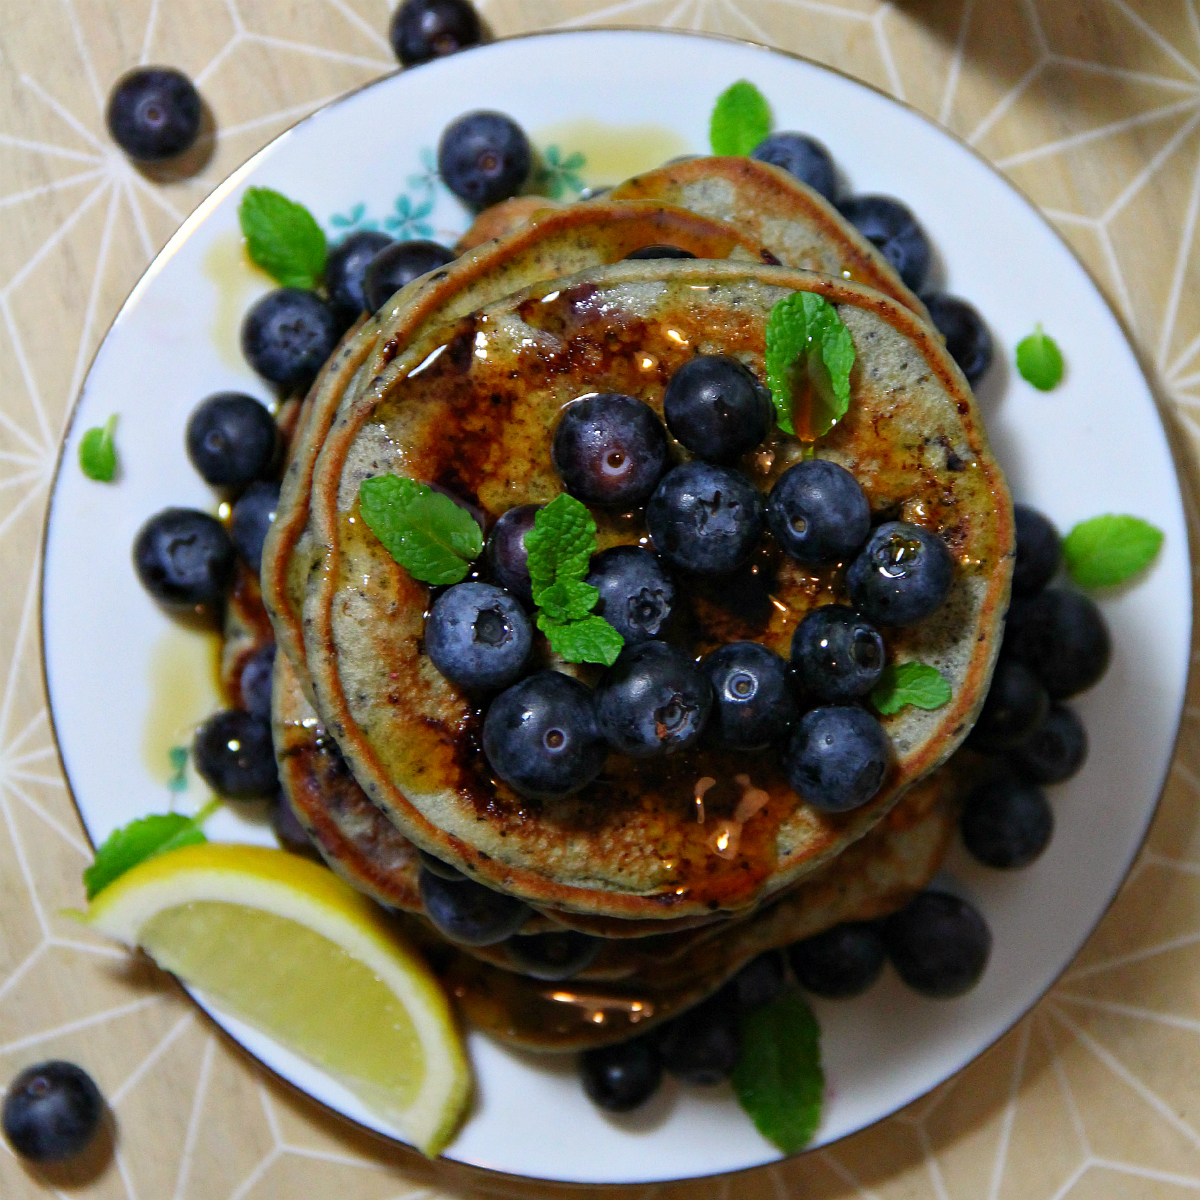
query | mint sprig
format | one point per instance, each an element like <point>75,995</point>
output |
<point>1039,360</point>
<point>98,452</point>
<point>431,537</point>
<point>283,238</point>
<point>741,118</point>
<point>913,683</point>
<point>1110,549</point>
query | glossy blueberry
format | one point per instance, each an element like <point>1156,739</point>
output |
<point>287,828</point>
<point>717,408</point>
<point>837,655</point>
<point>346,271</point>
<point>1055,750</point>
<point>760,981</point>
<point>484,157</point>
<point>967,337</point>
<point>1016,702</point>
<point>478,636</point>
<point>705,519</point>
<point>507,558</point>
<point>754,703</point>
<point>939,944</point>
<point>895,233</point>
<point>702,1045</point>
<point>287,336</point>
<point>621,1077</point>
<point>251,519</point>
<point>1063,638</point>
<point>840,962</point>
<point>652,700</point>
<point>231,439</point>
<point>51,1111</point>
<point>818,513</point>
<point>902,575</point>
<point>397,265</point>
<point>153,113</point>
<point>541,736</point>
<point>837,757</point>
<point>802,156</point>
<point>557,955</point>
<point>1039,551</point>
<point>636,592</point>
<point>234,755</point>
<point>469,913</point>
<point>659,250</point>
<point>254,683</point>
<point>609,450</point>
<point>443,870</point>
<point>425,29</point>
<point>1006,823</point>
<point>184,558</point>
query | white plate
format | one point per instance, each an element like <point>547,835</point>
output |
<point>1093,445</point>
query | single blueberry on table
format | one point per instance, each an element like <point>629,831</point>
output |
<point>346,271</point>
<point>1055,750</point>
<point>478,636</point>
<point>231,439</point>
<point>1016,703</point>
<point>840,962</point>
<point>717,408</point>
<point>1062,637</point>
<point>252,516</point>
<point>837,757</point>
<point>837,655</point>
<point>902,575</point>
<point>556,955</point>
<point>967,337</point>
<point>1006,823</point>
<point>637,594</point>
<point>1039,551</point>
<point>659,250</point>
<point>154,113</point>
<point>469,913</point>
<point>287,336</point>
<point>234,754</point>
<point>184,558</point>
<point>51,1111</point>
<point>507,557</point>
<point>254,683</point>
<point>620,1078</point>
<point>818,512</point>
<point>939,944</point>
<point>701,1046</point>
<point>484,157</point>
<point>426,29</point>
<point>753,705</point>
<point>397,265</point>
<point>891,227</point>
<point>760,981</point>
<point>801,156</point>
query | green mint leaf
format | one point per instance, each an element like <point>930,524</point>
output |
<point>283,238</point>
<point>741,118</point>
<point>98,452</point>
<point>430,536</point>
<point>1039,360</point>
<point>1110,549</point>
<point>809,357</point>
<point>561,542</point>
<point>568,600</point>
<point>778,1078</point>
<point>592,639</point>
<point>913,683</point>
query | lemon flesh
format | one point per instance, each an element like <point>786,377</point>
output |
<point>289,948</point>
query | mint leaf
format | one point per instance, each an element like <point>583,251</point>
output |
<point>568,600</point>
<point>561,542</point>
<point>98,452</point>
<point>778,1078</point>
<point>741,118</point>
<point>283,238</point>
<point>433,538</point>
<point>809,357</point>
<point>913,683</point>
<point>592,639</point>
<point>1110,549</point>
<point>1039,360</point>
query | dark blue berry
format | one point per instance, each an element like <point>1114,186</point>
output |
<point>557,955</point>
<point>967,337</point>
<point>287,828</point>
<point>702,1045</point>
<point>760,981</point>
<point>251,519</point>
<point>837,655</point>
<point>754,703</point>
<point>484,157</point>
<point>478,636</point>
<point>254,683</point>
<point>1006,823</point>
<point>397,265</point>
<point>658,250</point>
<point>895,232</point>
<point>818,513</point>
<point>443,870</point>
<point>840,962</point>
<point>231,439</point>
<point>542,738</point>
<point>234,755</point>
<point>184,558</point>
<point>653,700</point>
<point>717,408</point>
<point>506,554</point>
<point>1016,702</point>
<point>621,1077</point>
<point>426,29</point>
<point>469,913</point>
<point>802,156</point>
<point>1062,637</point>
<point>287,336</point>
<point>609,450</point>
<point>902,575</point>
<point>51,1111</point>
<point>346,271</point>
<point>939,944</point>
<point>837,757</point>
<point>1055,750</point>
<point>1039,551</point>
<point>636,593</point>
<point>154,113</point>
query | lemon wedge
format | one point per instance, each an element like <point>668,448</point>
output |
<point>291,949</point>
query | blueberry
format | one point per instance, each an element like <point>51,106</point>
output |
<point>895,232</point>
<point>287,336</point>
<point>425,29</point>
<point>484,157</point>
<point>346,270</point>
<point>938,944</point>
<point>556,955</point>
<point>840,962</point>
<point>469,913</point>
<point>478,636</point>
<point>251,519</point>
<point>397,265</point>
<point>818,513</point>
<point>254,683</point>
<point>153,113</point>
<point>754,703</point>
<point>1006,823</point>
<point>1055,750</point>
<point>802,156</point>
<point>1039,551</point>
<point>702,1045</point>
<point>660,250</point>
<point>636,592</point>
<point>234,755</point>
<point>837,655</point>
<point>541,736</point>
<point>717,408</point>
<point>609,450</point>
<point>1016,702</point>
<point>621,1077</point>
<point>837,757</point>
<point>902,575</point>
<point>443,870</point>
<point>231,439</point>
<point>652,700</point>
<point>705,519</point>
<point>287,828</point>
<point>967,337</point>
<point>184,558</point>
<point>760,981</point>
<point>1062,637</point>
<point>507,557</point>
<point>51,1111</point>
